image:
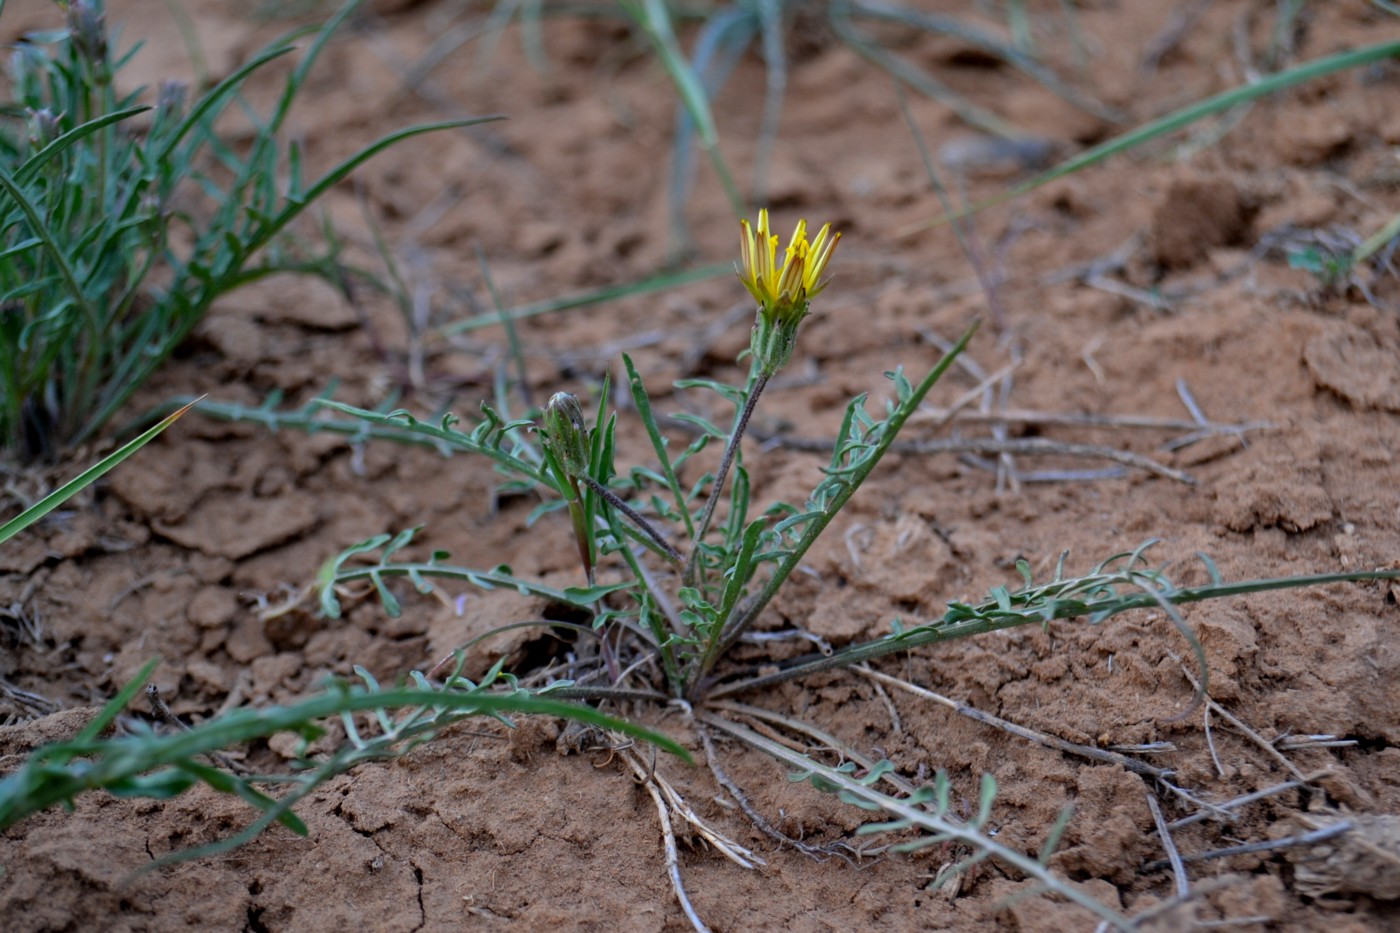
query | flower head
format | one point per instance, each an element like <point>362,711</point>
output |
<point>87,30</point>
<point>783,293</point>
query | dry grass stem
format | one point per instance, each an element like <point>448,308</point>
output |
<point>166,715</point>
<point>1032,418</point>
<point>31,704</point>
<point>1040,738</point>
<point>1183,885</point>
<point>816,853</point>
<point>1021,446</point>
<point>1246,799</point>
<point>675,803</point>
<point>673,860</point>
<point>824,739</point>
<point>1258,739</point>
<point>1331,831</point>
<point>1210,743</point>
<point>889,704</point>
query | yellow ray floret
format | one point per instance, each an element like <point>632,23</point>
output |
<point>783,292</point>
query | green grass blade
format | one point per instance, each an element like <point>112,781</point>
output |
<point>740,572</point>
<point>216,97</point>
<point>50,502</point>
<point>658,443</point>
<point>1187,115</point>
<point>1376,240</point>
<point>962,620</point>
<point>338,174</point>
<point>657,283</point>
<point>655,20</point>
<point>31,165</point>
<point>51,246</point>
<point>118,703</point>
<point>313,52</point>
<point>517,352</point>
<point>919,79</point>
<point>1018,58</point>
<point>39,784</point>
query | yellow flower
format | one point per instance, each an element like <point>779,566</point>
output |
<point>783,293</point>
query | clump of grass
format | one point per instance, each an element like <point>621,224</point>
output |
<point>724,33</point>
<point>121,224</point>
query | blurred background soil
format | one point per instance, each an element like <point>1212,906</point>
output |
<point>1120,291</point>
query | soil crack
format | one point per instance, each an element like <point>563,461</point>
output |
<point>422,911</point>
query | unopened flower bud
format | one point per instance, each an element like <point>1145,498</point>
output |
<point>43,127</point>
<point>88,30</point>
<point>566,433</point>
<point>170,100</point>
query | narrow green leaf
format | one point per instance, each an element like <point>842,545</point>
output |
<point>50,502</point>
<point>118,703</point>
<point>658,443</point>
<point>1185,116</point>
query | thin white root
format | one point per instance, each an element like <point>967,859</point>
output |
<point>730,849</point>
<point>673,860</point>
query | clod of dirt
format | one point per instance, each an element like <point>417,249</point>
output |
<point>307,302</point>
<point>1040,915</point>
<point>212,607</point>
<point>224,526</point>
<point>1315,135</point>
<point>1196,216</point>
<point>1263,497</point>
<point>17,741</point>
<point>1353,365</point>
<point>1365,860</point>
<point>458,625</point>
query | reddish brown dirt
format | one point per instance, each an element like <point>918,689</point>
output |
<point>172,554</point>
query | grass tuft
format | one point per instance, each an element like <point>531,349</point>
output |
<point>121,223</point>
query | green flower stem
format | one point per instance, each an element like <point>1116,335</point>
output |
<point>747,611</point>
<point>580,521</point>
<point>634,517</point>
<point>741,424</point>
